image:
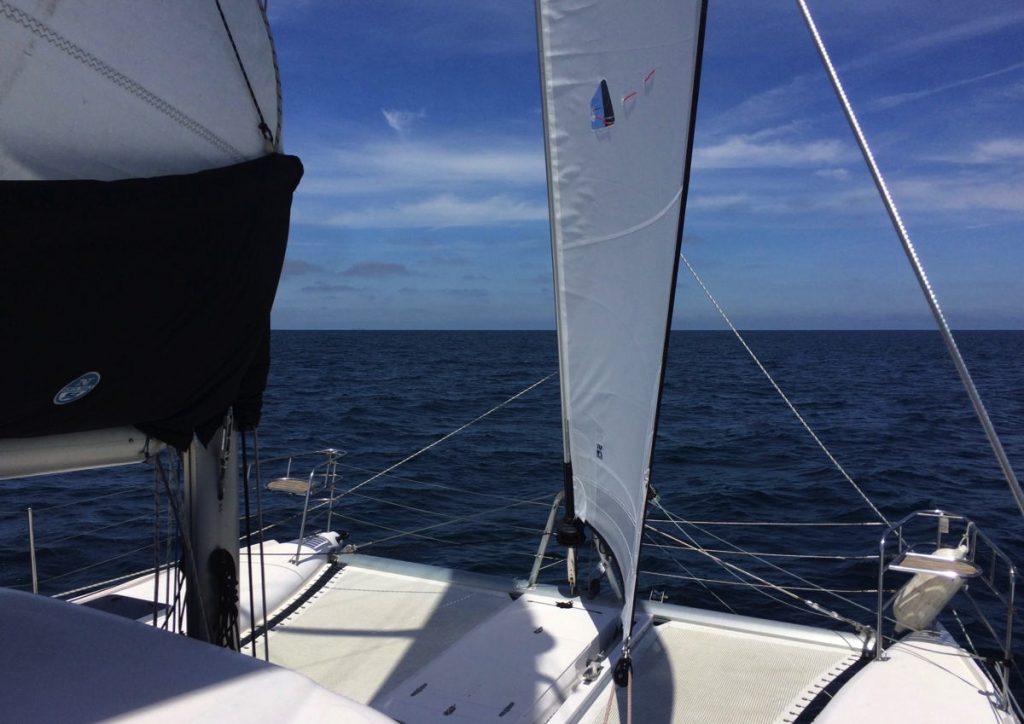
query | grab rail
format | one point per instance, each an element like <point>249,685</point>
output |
<point>983,561</point>
<point>324,472</point>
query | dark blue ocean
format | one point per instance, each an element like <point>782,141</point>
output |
<point>888,405</point>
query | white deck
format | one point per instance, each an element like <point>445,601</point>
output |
<point>426,644</point>
<point>68,663</point>
<point>284,577</point>
<point>417,642</point>
<point>367,631</point>
<point>696,673</point>
<point>925,673</point>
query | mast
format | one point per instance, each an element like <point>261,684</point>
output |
<point>210,537</point>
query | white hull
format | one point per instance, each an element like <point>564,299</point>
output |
<point>423,643</point>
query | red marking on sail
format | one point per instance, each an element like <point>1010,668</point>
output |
<point>628,97</point>
<point>650,75</point>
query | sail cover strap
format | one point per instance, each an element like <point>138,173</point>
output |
<point>141,302</point>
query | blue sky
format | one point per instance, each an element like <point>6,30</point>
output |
<point>424,202</point>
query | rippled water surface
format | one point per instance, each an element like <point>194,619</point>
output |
<point>887,404</point>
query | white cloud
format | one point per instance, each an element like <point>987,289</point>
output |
<point>718,201</point>
<point>836,174</point>
<point>749,151</point>
<point>384,167</point>
<point>960,194</point>
<point>401,121</point>
<point>997,150</point>
<point>444,210</point>
<point>993,151</point>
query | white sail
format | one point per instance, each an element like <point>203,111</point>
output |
<point>132,88</point>
<point>619,82</point>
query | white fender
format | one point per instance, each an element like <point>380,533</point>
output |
<point>922,597</point>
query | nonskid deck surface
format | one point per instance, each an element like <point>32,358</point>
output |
<point>366,631</point>
<point>694,673</point>
<point>418,641</point>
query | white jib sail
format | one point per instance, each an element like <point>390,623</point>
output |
<point>619,89</point>
<point>131,88</point>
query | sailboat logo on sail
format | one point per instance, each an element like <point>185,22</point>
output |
<point>601,113</point>
<point>77,388</point>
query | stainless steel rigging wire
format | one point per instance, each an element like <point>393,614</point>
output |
<point>915,263</point>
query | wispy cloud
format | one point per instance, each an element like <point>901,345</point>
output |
<point>891,101</point>
<point>964,193</point>
<point>749,151</point>
<point>402,121</point>
<point>992,151</point>
<point>979,26</point>
<point>380,167</point>
<point>773,105</point>
<point>933,194</point>
<point>376,270</point>
<point>836,174</point>
<point>719,201</point>
<point>445,210</point>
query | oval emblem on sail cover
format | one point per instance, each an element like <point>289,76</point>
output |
<point>77,388</point>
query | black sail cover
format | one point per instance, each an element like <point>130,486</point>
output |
<point>140,302</point>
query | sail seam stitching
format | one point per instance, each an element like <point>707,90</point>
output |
<point>76,52</point>
<point>626,232</point>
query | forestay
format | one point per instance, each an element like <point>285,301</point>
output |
<point>619,88</point>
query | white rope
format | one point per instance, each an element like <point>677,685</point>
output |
<point>803,580</point>
<point>767,523</point>
<point>774,555</point>
<point>387,471</point>
<point>689,574</point>
<point>765,583</point>
<point>419,531</point>
<point>778,389</point>
<point>732,571</point>
<point>92,531</point>
<point>456,431</point>
<point>611,698</point>
<point>723,582</point>
<point>102,584</point>
<point>441,486</point>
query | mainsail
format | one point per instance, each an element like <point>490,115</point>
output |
<point>619,87</point>
<point>133,88</point>
<point>145,214</point>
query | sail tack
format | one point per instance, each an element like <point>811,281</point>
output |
<point>619,88</point>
